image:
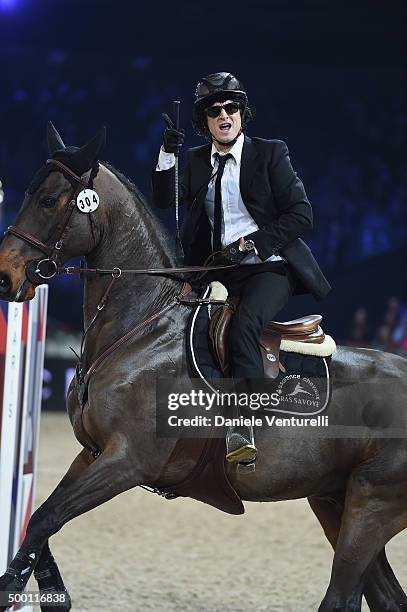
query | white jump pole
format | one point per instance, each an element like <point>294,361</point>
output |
<point>22,343</point>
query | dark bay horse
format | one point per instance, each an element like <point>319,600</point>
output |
<point>355,484</point>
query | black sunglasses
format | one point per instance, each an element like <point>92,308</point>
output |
<point>214,111</point>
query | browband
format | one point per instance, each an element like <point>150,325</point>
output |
<point>68,171</point>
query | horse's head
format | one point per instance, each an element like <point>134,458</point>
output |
<point>54,222</point>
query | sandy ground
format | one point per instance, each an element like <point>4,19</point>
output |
<point>141,553</point>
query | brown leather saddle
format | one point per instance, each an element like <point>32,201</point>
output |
<point>305,329</point>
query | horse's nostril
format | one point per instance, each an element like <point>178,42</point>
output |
<point>5,283</point>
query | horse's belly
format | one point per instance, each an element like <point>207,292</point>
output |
<point>291,469</point>
<point>269,487</point>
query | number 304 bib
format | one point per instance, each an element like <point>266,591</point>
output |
<point>87,200</point>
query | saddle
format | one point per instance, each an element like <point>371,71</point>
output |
<point>276,336</point>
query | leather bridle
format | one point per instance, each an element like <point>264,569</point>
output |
<point>53,249</point>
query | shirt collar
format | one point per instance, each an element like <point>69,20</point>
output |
<point>236,150</point>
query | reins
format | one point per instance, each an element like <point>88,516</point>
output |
<point>156,271</point>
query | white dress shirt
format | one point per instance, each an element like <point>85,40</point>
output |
<point>236,220</point>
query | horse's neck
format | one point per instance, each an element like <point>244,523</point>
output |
<point>130,239</point>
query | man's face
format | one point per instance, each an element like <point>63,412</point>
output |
<point>224,127</point>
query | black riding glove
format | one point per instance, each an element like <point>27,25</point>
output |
<point>231,254</point>
<point>173,139</point>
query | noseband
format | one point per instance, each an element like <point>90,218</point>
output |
<point>47,268</point>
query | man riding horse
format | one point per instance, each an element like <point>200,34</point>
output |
<point>354,476</point>
<point>246,205</point>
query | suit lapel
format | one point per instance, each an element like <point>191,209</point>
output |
<point>247,166</point>
<point>202,170</point>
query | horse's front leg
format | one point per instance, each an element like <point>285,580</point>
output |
<point>46,571</point>
<point>39,557</point>
<point>79,491</point>
<point>50,580</point>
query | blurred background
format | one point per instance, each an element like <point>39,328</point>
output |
<point>326,77</point>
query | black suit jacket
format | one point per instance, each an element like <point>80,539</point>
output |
<point>272,193</point>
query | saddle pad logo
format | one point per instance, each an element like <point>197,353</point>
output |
<point>298,393</point>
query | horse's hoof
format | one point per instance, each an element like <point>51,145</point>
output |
<point>60,608</point>
<point>8,584</point>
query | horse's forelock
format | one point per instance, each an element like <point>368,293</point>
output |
<point>39,177</point>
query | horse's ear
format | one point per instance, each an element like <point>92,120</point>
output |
<point>54,140</point>
<point>89,153</point>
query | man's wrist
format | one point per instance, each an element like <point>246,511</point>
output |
<point>246,245</point>
<point>252,237</point>
<point>165,160</point>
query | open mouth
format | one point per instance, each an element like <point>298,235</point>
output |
<point>225,127</point>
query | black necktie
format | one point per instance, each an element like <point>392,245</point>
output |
<point>217,216</point>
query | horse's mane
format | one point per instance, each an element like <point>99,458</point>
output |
<point>140,200</point>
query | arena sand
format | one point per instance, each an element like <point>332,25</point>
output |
<point>141,553</point>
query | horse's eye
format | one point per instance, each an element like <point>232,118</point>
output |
<point>48,202</point>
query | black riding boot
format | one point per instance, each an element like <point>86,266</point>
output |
<point>240,446</point>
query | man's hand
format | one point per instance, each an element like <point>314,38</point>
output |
<point>241,244</point>
<point>234,253</point>
<point>173,138</point>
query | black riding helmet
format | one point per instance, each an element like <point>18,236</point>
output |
<point>218,87</point>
